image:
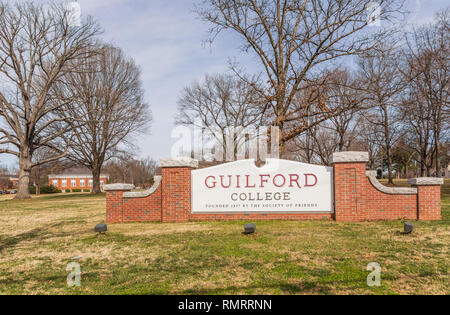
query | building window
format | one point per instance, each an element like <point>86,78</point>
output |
<point>64,183</point>
<point>82,182</point>
<point>73,183</point>
<point>102,183</point>
<point>55,182</point>
<point>91,182</point>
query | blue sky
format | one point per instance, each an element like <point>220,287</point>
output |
<point>165,39</point>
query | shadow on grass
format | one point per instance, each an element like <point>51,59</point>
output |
<point>35,234</point>
<point>303,287</point>
<point>9,242</point>
<point>71,195</point>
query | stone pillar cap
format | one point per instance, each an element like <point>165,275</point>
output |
<point>349,157</point>
<point>118,187</point>
<point>178,162</point>
<point>426,181</point>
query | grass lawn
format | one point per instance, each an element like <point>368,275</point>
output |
<point>39,237</point>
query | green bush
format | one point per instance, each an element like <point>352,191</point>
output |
<point>86,191</point>
<point>76,190</point>
<point>45,190</point>
<point>50,190</point>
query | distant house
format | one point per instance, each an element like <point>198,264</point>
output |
<point>446,172</point>
<point>8,182</point>
<point>76,178</point>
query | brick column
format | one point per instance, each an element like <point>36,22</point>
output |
<point>349,176</point>
<point>429,198</point>
<point>114,201</point>
<point>176,189</point>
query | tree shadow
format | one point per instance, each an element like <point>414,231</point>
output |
<point>9,242</point>
<point>304,287</point>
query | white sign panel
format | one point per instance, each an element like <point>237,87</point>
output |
<point>279,186</point>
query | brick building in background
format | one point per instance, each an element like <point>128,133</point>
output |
<point>8,182</point>
<point>76,178</point>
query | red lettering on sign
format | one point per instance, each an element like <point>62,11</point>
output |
<point>248,184</point>
<point>275,180</point>
<point>306,180</point>
<point>294,179</point>
<point>264,181</point>
<point>213,183</point>
<point>229,181</point>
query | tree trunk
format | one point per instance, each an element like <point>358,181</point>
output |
<point>24,174</point>
<point>38,184</point>
<point>341,144</point>
<point>438,155</point>
<point>390,173</point>
<point>281,143</point>
<point>387,135</point>
<point>96,181</point>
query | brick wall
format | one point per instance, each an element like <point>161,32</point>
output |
<point>429,201</point>
<point>147,209</point>
<point>114,210</point>
<point>176,194</point>
<point>356,199</point>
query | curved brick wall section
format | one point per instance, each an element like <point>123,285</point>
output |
<point>377,205</point>
<point>121,209</point>
<point>147,209</point>
<point>357,199</point>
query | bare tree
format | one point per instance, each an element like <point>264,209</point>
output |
<point>418,125</point>
<point>316,145</point>
<point>4,178</point>
<point>291,39</point>
<point>40,154</point>
<point>368,140</point>
<point>142,171</point>
<point>37,46</point>
<point>404,157</point>
<point>126,169</point>
<point>107,111</point>
<point>429,72</point>
<point>39,173</point>
<point>337,91</point>
<point>344,98</point>
<point>383,84</point>
<point>221,104</point>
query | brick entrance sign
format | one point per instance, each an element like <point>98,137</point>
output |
<point>281,190</point>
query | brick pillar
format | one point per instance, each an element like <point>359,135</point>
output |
<point>429,198</point>
<point>176,189</point>
<point>114,201</point>
<point>349,176</point>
